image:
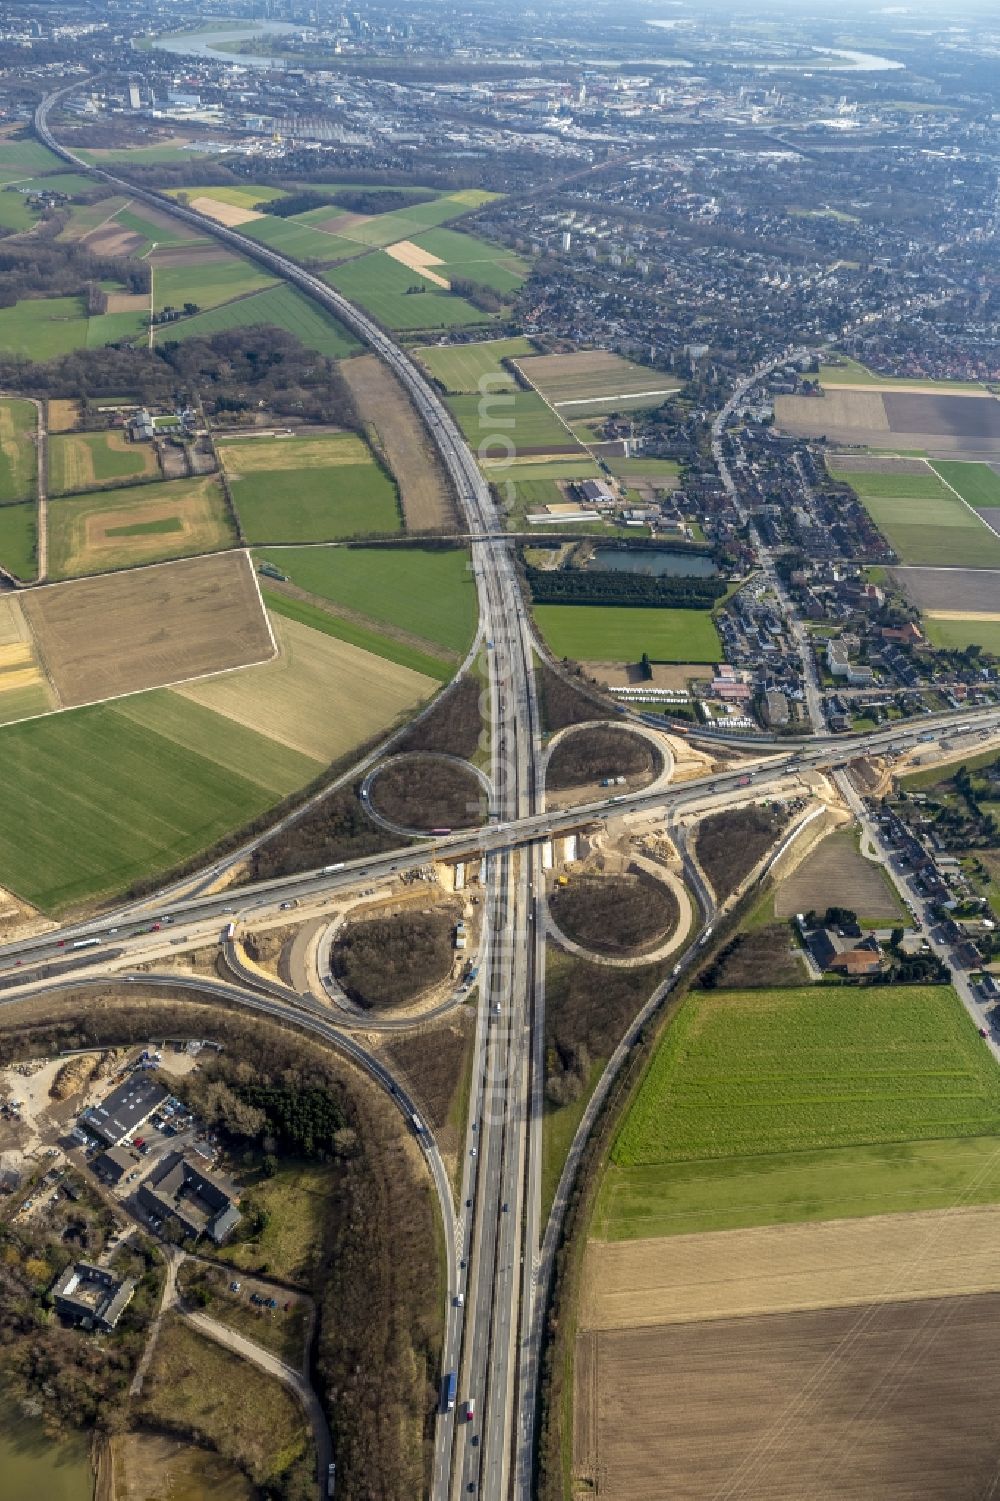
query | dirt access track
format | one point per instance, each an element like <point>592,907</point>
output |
<point>103,637</point>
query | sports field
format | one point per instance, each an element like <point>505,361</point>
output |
<point>314,489</point>
<point>206,282</point>
<point>429,592</point>
<point>362,694</point>
<point>137,524</point>
<point>741,1073</point>
<point>279,307</point>
<point>130,802</point>
<point>514,421</point>
<point>147,627</point>
<point>19,539</point>
<point>401,299</point>
<point>79,461</point>
<point>621,633</point>
<point>469,367</point>
<point>18,466</point>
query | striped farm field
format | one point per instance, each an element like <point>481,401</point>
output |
<point>363,694</point>
<point>315,489</point>
<point>594,379</point>
<point>18,464</point>
<point>79,461</point>
<point>131,802</point>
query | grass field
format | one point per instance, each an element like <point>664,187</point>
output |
<point>955,635</point>
<point>851,373</point>
<point>279,307</point>
<point>429,592</point>
<point>207,285</point>
<point>464,367</point>
<point>464,257</point>
<point>515,420</point>
<point>240,197</point>
<point>384,288</point>
<point>137,524</point>
<point>295,1199</point>
<point>15,212</point>
<point>309,489</point>
<point>976,483</point>
<point>79,461</point>
<point>18,463</point>
<point>358,635</point>
<point>40,328</point>
<point>304,242</point>
<point>27,156</point>
<point>681,1198</point>
<point>917,487</point>
<point>19,539</point>
<point>155,228</point>
<point>742,1073</point>
<point>615,633</point>
<point>130,802</point>
<point>234,1408</point>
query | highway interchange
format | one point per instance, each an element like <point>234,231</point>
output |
<point>499,1252</point>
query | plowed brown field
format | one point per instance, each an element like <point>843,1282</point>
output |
<point>124,632</point>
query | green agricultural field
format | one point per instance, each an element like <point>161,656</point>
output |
<point>41,328</point>
<point>15,213</point>
<point>621,633</point>
<point>976,483</point>
<point>282,306</point>
<point>27,156</point>
<point>130,803</point>
<point>427,591</point>
<point>744,1073</point>
<point>167,231</point>
<point>208,284</point>
<point>851,373</point>
<point>275,768</point>
<point>465,367</point>
<point>240,197</point>
<point>305,242</point>
<point>404,224</point>
<point>682,1198</point>
<point>135,524</point>
<point>309,489</point>
<point>384,288</point>
<point>943,532</point>
<point>465,258</point>
<point>896,486</point>
<point>77,460</point>
<point>956,635</point>
<point>62,182</point>
<point>19,540</point>
<point>18,462</point>
<point>517,420</point>
<point>649,469</point>
<point>523,471</point>
<point>359,635</point>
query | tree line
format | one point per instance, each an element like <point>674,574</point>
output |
<point>585,586</point>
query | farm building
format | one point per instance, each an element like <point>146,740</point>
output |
<point>181,1191</point>
<point>92,1295</point>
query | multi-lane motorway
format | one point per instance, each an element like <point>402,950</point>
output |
<point>494,1241</point>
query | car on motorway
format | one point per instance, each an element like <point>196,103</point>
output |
<point>470,1409</point>
<point>472,1152</point>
